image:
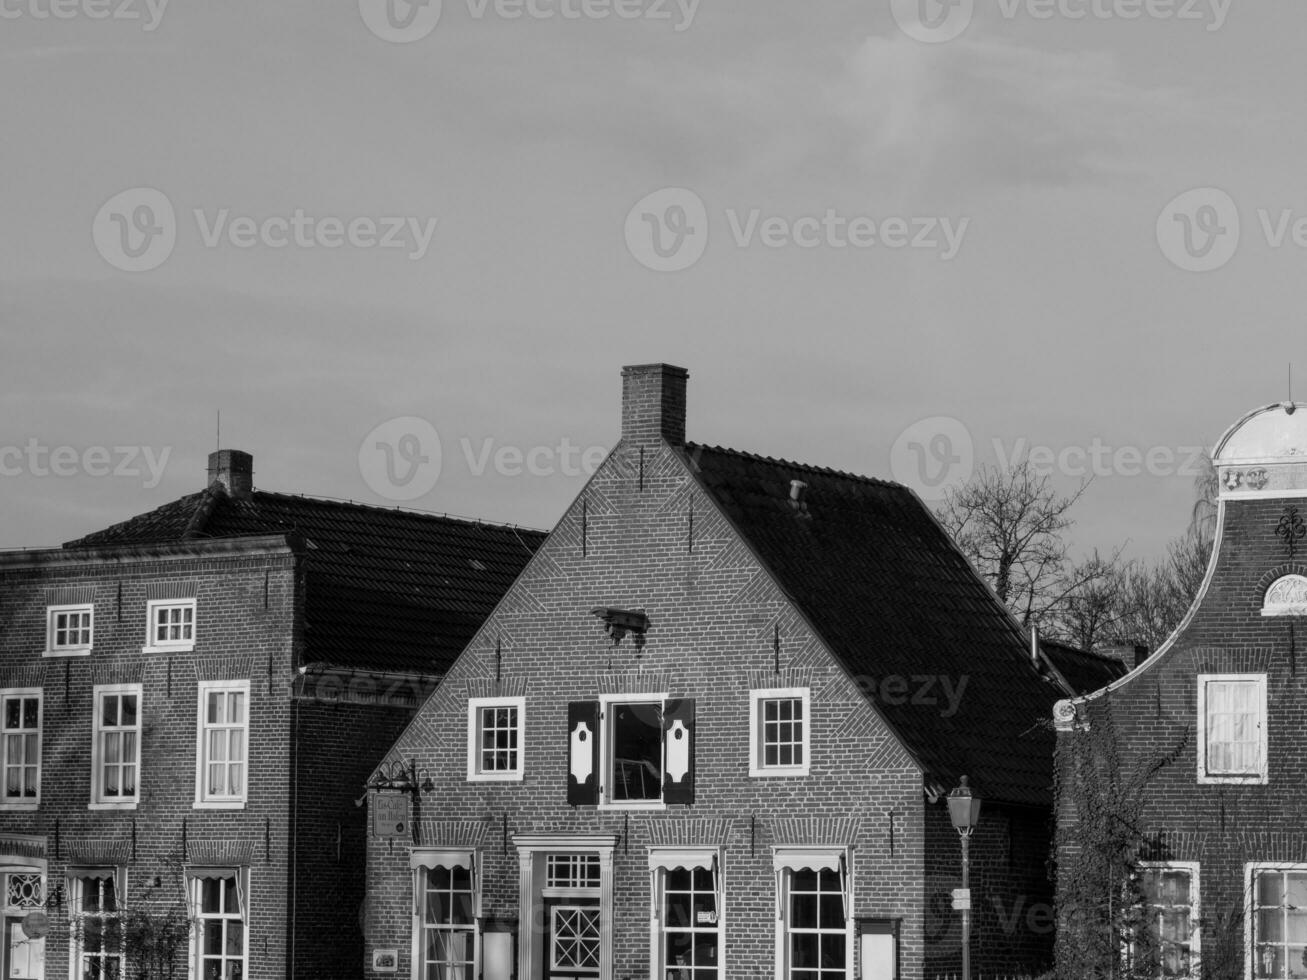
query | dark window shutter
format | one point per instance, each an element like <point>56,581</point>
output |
<point>678,751</point>
<point>583,753</point>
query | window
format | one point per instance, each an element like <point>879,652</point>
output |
<point>68,630</point>
<point>573,871</point>
<point>814,927</point>
<point>219,901</point>
<point>779,732</point>
<point>170,626</point>
<point>20,753</point>
<point>687,906</point>
<point>1278,921</point>
<point>448,909</point>
<point>1171,896</point>
<point>24,892</point>
<point>221,769</point>
<point>631,752</point>
<point>1232,718</point>
<point>494,739</point>
<point>97,933</point>
<point>116,749</point>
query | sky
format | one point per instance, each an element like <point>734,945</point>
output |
<point>405,250</point>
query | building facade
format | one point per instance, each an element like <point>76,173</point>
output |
<point>1206,740</point>
<point>190,701</point>
<point>708,734</point>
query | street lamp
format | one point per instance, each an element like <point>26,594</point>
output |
<point>964,811</point>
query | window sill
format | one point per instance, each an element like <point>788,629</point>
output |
<point>218,805</point>
<point>78,652</point>
<point>180,648</point>
<point>20,807</point>
<point>495,777</point>
<point>634,805</point>
<point>797,772</point>
<point>1256,780</point>
<point>114,806</point>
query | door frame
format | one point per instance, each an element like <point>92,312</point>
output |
<point>531,851</point>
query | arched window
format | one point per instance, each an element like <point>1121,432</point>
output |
<point>1287,596</point>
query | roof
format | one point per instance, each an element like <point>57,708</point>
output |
<point>387,590</point>
<point>892,596</point>
<point>1084,670</point>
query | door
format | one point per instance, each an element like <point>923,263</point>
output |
<point>24,959</point>
<point>573,941</point>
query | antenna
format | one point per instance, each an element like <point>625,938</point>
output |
<point>218,447</point>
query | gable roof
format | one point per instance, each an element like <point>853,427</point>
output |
<point>888,591</point>
<point>387,590</point>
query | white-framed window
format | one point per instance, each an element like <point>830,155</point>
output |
<point>780,732</point>
<point>222,745</point>
<point>116,746</point>
<point>69,630</point>
<point>1276,923</point>
<point>20,748</point>
<point>495,747</point>
<point>1232,722</point>
<point>169,626</point>
<point>1170,890</point>
<point>98,950</point>
<point>632,750</point>
<point>219,900</point>
<point>446,909</point>
<point>814,922</point>
<point>687,938</point>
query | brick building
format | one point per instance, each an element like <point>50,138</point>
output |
<point>1219,708</point>
<point>708,733</point>
<point>190,701</point>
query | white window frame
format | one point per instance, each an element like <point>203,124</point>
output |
<point>195,878</point>
<point>475,774</point>
<point>98,799</point>
<point>662,860</point>
<point>76,881</point>
<point>152,645</point>
<point>606,801</point>
<point>784,862</point>
<point>421,861</point>
<point>67,650</point>
<point>757,768</point>
<point>22,803</point>
<point>1195,911</point>
<point>1250,896</point>
<point>203,801</point>
<point>1261,777</point>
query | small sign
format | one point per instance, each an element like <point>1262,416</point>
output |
<point>706,918</point>
<point>390,815</point>
<point>36,925</point>
<point>961,899</point>
<point>385,961</point>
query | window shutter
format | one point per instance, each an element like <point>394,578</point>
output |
<point>678,751</point>
<point>583,753</point>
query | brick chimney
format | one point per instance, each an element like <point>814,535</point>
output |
<point>234,470</point>
<point>653,404</point>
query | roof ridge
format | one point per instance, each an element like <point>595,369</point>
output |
<point>806,467</point>
<point>408,511</point>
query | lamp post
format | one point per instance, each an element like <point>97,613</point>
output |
<point>964,811</point>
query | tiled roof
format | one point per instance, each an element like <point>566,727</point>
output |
<point>884,586</point>
<point>386,589</point>
<point>1084,670</point>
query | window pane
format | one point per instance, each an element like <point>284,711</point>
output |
<point>109,716</point>
<point>210,895</point>
<point>637,751</point>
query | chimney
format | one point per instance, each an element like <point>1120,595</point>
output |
<point>653,404</point>
<point>234,470</point>
<point>1130,653</point>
